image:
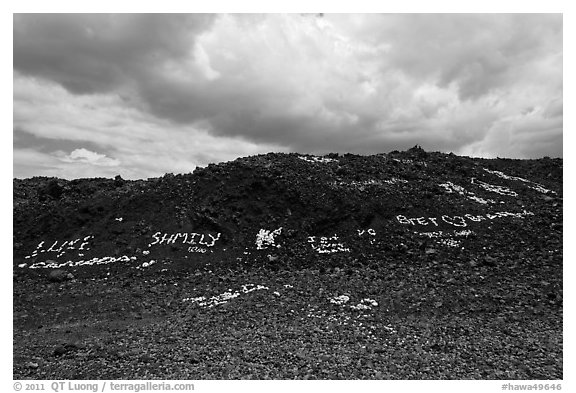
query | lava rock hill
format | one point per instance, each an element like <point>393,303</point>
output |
<point>406,265</point>
<point>324,207</point>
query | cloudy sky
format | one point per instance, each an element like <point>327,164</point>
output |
<point>142,95</point>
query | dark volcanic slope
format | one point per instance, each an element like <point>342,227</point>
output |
<point>345,194</point>
<point>424,233</point>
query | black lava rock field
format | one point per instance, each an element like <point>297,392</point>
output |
<point>405,265</point>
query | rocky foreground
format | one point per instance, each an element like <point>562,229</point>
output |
<point>407,265</point>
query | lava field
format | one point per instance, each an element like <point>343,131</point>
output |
<point>401,265</point>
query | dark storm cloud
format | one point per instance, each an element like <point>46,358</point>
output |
<point>89,53</point>
<point>23,139</point>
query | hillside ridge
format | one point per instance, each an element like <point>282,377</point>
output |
<point>227,205</point>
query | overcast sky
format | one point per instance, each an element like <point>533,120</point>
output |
<point>142,95</point>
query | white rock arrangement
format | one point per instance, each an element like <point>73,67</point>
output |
<point>445,238</point>
<point>533,185</point>
<point>146,264</point>
<point>223,298</point>
<point>314,159</point>
<point>454,188</point>
<point>340,300</point>
<point>492,188</point>
<point>369,232</point>
<point>365,304</point>
<point>327,245</point>
<point>368,183</point>
<point>265,238</point>
<point>93,261</point>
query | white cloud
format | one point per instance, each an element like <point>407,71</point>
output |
<point>89,157</point>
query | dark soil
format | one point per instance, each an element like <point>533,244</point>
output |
<point>407,276</point>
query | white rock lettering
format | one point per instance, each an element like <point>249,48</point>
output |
<point>61,248</point>
<point>327,245</point>
<point>190,238</point>
<point>459,221</point>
